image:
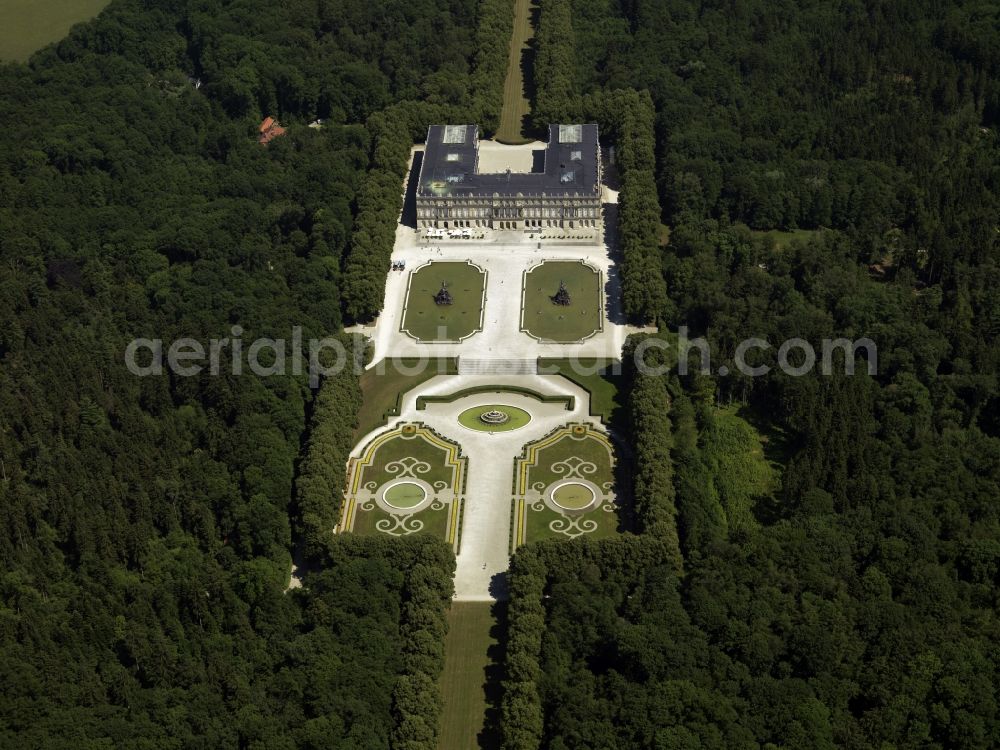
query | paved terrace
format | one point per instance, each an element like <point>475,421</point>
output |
<point>505,256</point>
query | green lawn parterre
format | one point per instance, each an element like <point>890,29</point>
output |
<point>573,496</point>
<point>430,521</point>
<point>400,467</point>
<point>405,495</point>
<point>425,320</point>
<point>384,385</point>
<point>570,448</point>
<point>545,320</point>
<point>404,448</point>
<point>599,377</point>
<point>557,462</point>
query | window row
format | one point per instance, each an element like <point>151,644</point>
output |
<point>535,212</point>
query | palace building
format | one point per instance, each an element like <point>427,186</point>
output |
<point>566,192</point>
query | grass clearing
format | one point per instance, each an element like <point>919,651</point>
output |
<point>663,235</point>
<point>425,320</point>
<point>470,677</point>
<point>778,446</point>
<point>745,480</point>
<point>28,25</point>
<point>516,106</point>
<point>783,239</point>
<point>545,320</point>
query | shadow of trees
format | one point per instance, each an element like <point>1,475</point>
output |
<point>493,675</point>
<point>409,216</point>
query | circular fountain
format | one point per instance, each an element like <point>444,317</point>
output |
<point>494,417</point>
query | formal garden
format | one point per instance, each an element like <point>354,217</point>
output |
<point>564,487</point>
<point>444,301</point>
<point>562,301</point>
<point>406,481</point>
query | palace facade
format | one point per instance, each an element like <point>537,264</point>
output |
<point>566,192</point>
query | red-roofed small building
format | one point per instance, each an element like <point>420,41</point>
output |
<point>269,130</point>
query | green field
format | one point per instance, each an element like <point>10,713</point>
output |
<point>545,320</point>
<point>427,321</point>
<point>517,418</point>
<point>515,100</point>
<point>663,235</point>
<point>28,25</point>
<point>469,679</point>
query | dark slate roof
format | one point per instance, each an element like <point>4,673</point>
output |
<point>451,159</point>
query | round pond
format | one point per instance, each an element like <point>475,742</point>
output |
<point>573,496</point>
<point>404,495</point>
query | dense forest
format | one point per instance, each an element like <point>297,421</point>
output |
<point>147,525</point>
<point>609,649</point>
<point>851,601</point>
